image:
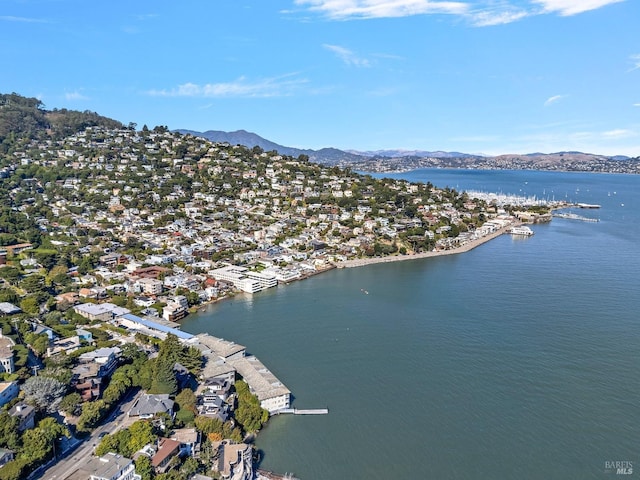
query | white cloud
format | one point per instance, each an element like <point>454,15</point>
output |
<point>347,56</point>
<point>480,13</point>
<point>572,7</point>
<point>71,96</point>
<point>345,9</point>
<point>267,87</point>
<point>636,104</point>
<point>635,60</point>
<point>554,99</point>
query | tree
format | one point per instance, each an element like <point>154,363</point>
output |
<point>70,404</point>
<point>33,283</point>
<point>38,442</point>
<point>14,470</point>
<point>38,342</point>
<point>10,274</point>
<point>249,412</point>
<point>44,392</point>
<point>30,305</point>
<point>141,434</point>
<point>164,379</point>
<point>91,414</point>
<point>8,295</point>
<point>190,467</point>
<point>186,401</point>
<point>144,467</point>
<point>9,434</point>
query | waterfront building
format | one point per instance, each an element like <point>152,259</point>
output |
<point>244,279</point>
<point>152,328</point>
<point>271,392</point>
<point>233,461</point>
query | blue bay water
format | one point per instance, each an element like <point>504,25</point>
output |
<point>517,360</point>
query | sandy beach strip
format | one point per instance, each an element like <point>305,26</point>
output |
<point>361,262</point>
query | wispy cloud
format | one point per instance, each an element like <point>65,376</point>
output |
<point>619,133</point>
<point>347,56</point>
<point>71,96</point>
<point>479,13</point>
<point>348,9</point>
<point>268,87</point>
<point>9,18</point>
<point>554,99</point>
<point>147,16</point>
<point>573,7</point>
<point>501,16</point>
<point>636,104</point>
<point>383,92</point>
<point>635,60</point>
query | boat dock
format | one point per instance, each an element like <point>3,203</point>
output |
<point>300,411</point>
<point>574,216</point>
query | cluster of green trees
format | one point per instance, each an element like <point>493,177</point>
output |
<point>22,117</point>
<point>32,447</point>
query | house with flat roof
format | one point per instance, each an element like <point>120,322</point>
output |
<point>111,467</point>
<point>149,327</point>
<point>100,311</point>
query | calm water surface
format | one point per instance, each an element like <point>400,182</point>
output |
<point>517,360</point>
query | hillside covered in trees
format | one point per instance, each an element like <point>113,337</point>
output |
<point>22,117</point>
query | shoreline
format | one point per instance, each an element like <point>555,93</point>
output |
<point>361,262</point>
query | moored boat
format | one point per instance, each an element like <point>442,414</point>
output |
<point>521,230</point>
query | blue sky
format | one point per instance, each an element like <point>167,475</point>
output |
<point>477,76</point>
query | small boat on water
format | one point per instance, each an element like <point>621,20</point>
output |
<point>521,230</point>
<point>588,205</point>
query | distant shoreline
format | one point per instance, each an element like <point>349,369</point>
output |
<point>361,262</point>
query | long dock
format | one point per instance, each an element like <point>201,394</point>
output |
<point>300,411</point>
<point>574,216</point>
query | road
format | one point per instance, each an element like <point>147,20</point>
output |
<point>79,450</point>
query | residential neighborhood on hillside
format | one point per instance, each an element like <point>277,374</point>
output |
<point>109,237</point>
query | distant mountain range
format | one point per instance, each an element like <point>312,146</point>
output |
<point>330,156</point>
<point>412,153</point>
<point>389,160</point>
